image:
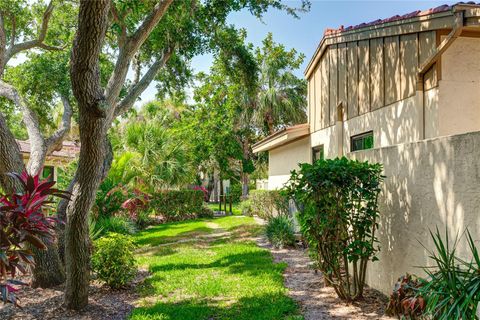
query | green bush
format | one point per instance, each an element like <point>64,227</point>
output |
<point>452,288</point>
<point>236,192</point>
<point>280,232</point>
<point>268,203</point>
<point>338,209</point>
<point>177,205</point>
<point>246,207</point>
<point>121,225</point>
<point>206,212</point>
<point>143,219</point>
<point>113,260</point>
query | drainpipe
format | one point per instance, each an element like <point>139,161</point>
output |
<point>444,45</point>
<point>340,129</point>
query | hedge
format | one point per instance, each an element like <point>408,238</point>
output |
<point>177,205</point>
<point>265,204</point>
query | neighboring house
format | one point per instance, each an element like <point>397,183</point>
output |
<point>384,83</point>
<point>58,159</point>
<point>405,92</point>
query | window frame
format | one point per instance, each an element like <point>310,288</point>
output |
<point>316,149</point>
<point>361,136</point>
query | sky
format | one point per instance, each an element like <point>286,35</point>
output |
<point>304,34</point>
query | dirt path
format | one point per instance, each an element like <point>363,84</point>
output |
<point>317,301</point>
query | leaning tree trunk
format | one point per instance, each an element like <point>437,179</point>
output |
<point>94,117</point>
<point>10,158</point>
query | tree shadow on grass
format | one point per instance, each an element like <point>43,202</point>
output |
<point>149,238</point>
<point>273,306</point>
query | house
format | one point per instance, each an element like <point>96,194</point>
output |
<point>57,159</point>
<point>405,92</point>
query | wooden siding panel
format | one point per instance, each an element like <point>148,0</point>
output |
<point>333,75</point>
<point>325,85</point>
<point>408,64</point>
<point>363,77</point>
<point>311,103</point>
<point>342,77</point>
<point>392,70</point>
<point>377,80</point>
<point>352,79</point>
<point>318,98</point>
<point>427,45</point>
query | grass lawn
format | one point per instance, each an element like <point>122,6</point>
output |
<point>218,274</point>
<point>235,207</point>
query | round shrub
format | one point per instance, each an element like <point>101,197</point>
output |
<point>280,232</point>
<point>122,225</point>
<point>113,260</point>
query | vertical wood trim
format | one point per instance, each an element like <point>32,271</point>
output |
<point>364,76</point>
<point>342,76</point>
<point>377,81</point>
<point>333,74</point>
<point>352,80</point>
<point>409,64</point>
<point>325,90</point>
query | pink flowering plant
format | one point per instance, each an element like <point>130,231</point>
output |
<point>24,224</point>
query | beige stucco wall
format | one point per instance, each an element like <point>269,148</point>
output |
<point>459,88</point>
<point>432,183</point>
<point>286,158</point>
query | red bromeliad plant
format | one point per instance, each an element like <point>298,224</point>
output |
<point>23,224</point>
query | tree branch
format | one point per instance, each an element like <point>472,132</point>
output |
<point>14,31</point>
<point>3,44</point>
<point>131,47</point>
<point>119,20</point>
<point>55,141</point>
<point>16,48</point>
<point>133,94</point>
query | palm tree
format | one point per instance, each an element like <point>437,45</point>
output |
<point>282,96</point>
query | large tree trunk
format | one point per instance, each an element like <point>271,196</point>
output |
<point>10,157</point>
<point>94,119</point>
<point>245,182</point>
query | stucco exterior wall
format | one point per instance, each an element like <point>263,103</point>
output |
<point>286,158</point>
<point>459,88</point>
<point>431,183</point>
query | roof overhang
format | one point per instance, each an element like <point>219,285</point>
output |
<point>439,20</point>
<point>282,137</point>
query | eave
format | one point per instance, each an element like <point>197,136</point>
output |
<point>282,137</point>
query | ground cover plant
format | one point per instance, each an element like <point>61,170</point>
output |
<point>338,206</point>
<point>221,276</point>
<point>280,232</point>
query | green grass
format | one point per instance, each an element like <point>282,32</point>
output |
<point>224,277</point>
<point>235,207</point>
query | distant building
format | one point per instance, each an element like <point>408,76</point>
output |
<point>58,159</point>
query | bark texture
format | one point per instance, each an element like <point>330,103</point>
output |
<point>85,76</point>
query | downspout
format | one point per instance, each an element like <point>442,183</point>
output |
<point>340,129</point>
<point>444,45</point>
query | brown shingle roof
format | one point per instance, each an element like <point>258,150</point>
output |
<point>69,149</point>
<point>418,13</point>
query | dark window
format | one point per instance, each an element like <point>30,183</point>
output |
<point>317,153</point>
<point>362,141</point>
<point>48,172</point>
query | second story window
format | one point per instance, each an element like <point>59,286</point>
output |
<point>317,153</point>
<point>362,141</point>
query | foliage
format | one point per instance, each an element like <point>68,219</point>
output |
<point>227,278</point>
<point>246,207</point>
<point>115,224</point>
<point>452,288</point>
<point>236,192</point>
<point>281,97</point>
<point>204,190</point>
<point>267,204</point>
<point>280,232</point>
<point>338,206</point>
<point>143,219</point>
<point>404,300</point>
<point>176,205</point>
<point>113,260</point>
<point>23,224</point>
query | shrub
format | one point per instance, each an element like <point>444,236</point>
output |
<point>246,207</point>
<point>268,203</point>
<point>280,232</point>
<point>404,300</point>
<point>338,212</point>
<point>236,192</point>
<point>452,288</point>
<point>121,225</point>
<point>143,219</point>
<point>23,224</point>
<point>177,205</point>
<point>113,260</point>
<point>206,212</point>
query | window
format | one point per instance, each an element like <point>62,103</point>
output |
<point>317,153</point>
<point>362,141</point>
<point>48,172</point>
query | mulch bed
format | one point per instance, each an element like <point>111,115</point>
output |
<point>104,303</point>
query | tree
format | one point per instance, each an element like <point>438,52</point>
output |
<point>153,33</point>
<point>281,98</point>
<point>31,90</point>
